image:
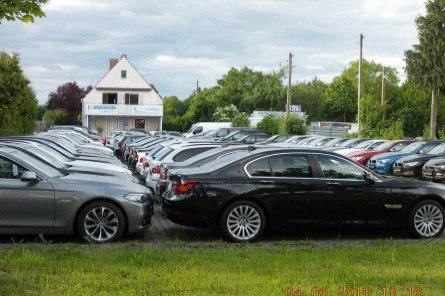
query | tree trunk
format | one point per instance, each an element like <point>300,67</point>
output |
<point>433,123</point>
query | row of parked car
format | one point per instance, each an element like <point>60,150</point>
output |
<point>65,181</point>
<point>240,187</point>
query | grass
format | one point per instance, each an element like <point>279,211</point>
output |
<point>219,268</point>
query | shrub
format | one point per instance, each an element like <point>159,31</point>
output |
<point>293,125</point>
<point>55,117</point>
<point>269,124</point>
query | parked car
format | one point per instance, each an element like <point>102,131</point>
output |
<point>247,191</point>
<point>36,198</point>
<point>200,127</point>
<point>364,155</point>
<point>383,163</point>
<point>366,145</point>
<point>411,166</point>
<point>434,169</point>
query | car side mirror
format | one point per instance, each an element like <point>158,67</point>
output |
<point>369,178</point>
<point>29,177</point>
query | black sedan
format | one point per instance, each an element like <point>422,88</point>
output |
<point>411,166</point>
<point>246,191</point>
<point>434,170</point>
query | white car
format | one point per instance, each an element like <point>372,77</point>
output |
<point>172,154</point>
<point>366,145</point>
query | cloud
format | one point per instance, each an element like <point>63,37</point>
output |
<point>175,43</point>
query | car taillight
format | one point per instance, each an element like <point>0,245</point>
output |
<point>141,159</point>
<point>183,187</point>
<point>120,144</point>
<point>147,164</point>
<point>156,170</point>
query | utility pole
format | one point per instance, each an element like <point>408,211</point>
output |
<point>359,95</point>
<point>383,87</point>
<point>197,86</point>
<point>383,93</point>
<point>288,85</point>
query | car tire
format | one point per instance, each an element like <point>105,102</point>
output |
<point>426,219</point>
<point>243,221</point>
<point>101,222</point>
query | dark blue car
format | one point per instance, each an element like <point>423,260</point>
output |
<point>382,163</point>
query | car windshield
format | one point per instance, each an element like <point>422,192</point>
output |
<point>412,147</point>
<point>438,150</point>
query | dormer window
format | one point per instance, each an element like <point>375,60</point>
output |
<point>123,74</point>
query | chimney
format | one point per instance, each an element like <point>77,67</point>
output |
<point>124,55</point>
<point>113,63</point>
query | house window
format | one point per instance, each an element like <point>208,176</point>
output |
<point>139,123</point>
<point>109,98</point>
<point>123,74</point>
<point>131,99</point>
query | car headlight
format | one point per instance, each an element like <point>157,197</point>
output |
<point>412,164</point>
<point>137,197</point>
<point>383,161</point>
<point>441,167</point>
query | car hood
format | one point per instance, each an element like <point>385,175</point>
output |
<point>417,157</point>
<point>437,161</point>
<point>99,182</point>
<point>390,155</point>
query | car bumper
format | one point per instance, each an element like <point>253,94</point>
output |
<point>433,175</point>
<point>139,216</point>
<point>179,213</point>
<point>404,171</point>
<point>380,167</point>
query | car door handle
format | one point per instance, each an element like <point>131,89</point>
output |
<point>268,181</point>
<point>333,183</point>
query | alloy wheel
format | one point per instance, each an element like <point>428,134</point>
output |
<point>101,224</point>
<point>243,222</point>
<point>428,220</point>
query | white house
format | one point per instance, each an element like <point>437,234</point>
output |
<point>122,100</point>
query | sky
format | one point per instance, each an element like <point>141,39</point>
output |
<point>175,43</point>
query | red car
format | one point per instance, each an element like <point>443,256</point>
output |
<point>363,156</point>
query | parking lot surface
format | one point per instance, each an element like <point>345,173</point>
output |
<point>164,232</point>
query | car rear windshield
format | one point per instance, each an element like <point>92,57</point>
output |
<point>223,161</point>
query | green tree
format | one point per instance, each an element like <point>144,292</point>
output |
<point>310,96</point>
<point>41,109</point>
<point>252,90</point>
<point>425,63</point>
<point>23,10</point>
<point>340,103</point>
<point>18,103</point>
<point>231,114</point>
